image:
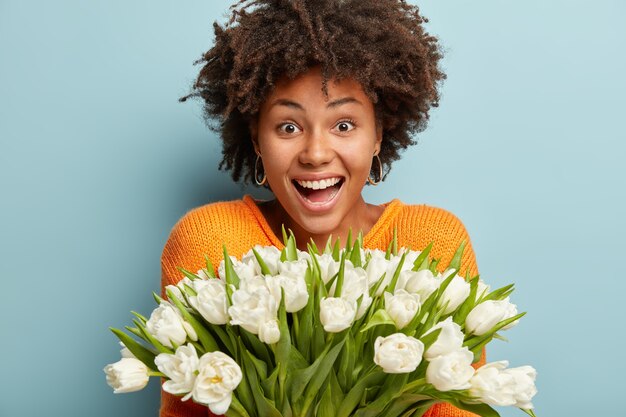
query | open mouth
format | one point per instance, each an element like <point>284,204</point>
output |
<point>319,192</point>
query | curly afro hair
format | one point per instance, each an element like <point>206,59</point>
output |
<point>381,44</point>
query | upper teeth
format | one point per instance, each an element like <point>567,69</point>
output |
<point>319,185</point>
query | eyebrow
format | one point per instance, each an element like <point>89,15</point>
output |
<point>335,103</point>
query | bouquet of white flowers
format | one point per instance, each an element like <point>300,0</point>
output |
<point>339,332</point>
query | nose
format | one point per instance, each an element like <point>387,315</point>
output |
<point>317,150</point>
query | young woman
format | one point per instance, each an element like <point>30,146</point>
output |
<point>314,99</point>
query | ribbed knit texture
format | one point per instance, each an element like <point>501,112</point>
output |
<point>240,225</point>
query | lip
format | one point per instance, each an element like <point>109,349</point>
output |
<point>318,207</point>
<point>316,177</point>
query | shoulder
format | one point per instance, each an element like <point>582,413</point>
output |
<point>431,219</point>
<point>421,224</point>
<point>199,232</point>
<point>212,217</point>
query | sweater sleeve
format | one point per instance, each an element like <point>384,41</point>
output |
<point>181,249</point>
<point>452,236</point>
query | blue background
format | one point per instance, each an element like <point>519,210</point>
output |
<point>98,160</point>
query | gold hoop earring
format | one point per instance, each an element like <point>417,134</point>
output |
<point>380,173</point>
<point>256,172</point>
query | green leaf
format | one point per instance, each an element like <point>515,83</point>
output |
<point>207,340</point>
<point>346,364</point>
<point>157,298</point>
<point>188,274</point>
<point>312,247</point>
<point>394,248</point>
<point>326,406</point>
<point>253,343</point>
<point>396,274</point>
<point>269,384</point>
<point>422,257</point>
<point>210,269</point>
<point>392,388</point>
<point>243,390</point>
<point>264,406</point>
<point>284,232</point>
<point>139,316</point>
<point>328,248</point>
<point>340,275</point>
<point>380,317</point>
<point>283,347</point>
<point>231,277</point>
<point>336,250</point>
<point>482,410</point>
<point>151,339</point>
<point>456,258</point>
<point>141,352</point>
<point>353,397</point>
<point>355,254</point>
<point>318,378</point>
<point>406,403</point>
<point>291,249</point>
<point>433,266</point>
<point>430,338</point>
<point>476,343</point>
<point>237,408</point>
<point>349,239</point>
<point>500,293</point>
<point>264,268</point>
<point>303,341</point>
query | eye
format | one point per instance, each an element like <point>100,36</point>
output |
<point>289,128</point>
<point>345,126</point>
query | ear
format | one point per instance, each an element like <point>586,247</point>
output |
<point>253,126</point>
<point>379,140</point>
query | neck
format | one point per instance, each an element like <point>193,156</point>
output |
<point>361,218</point>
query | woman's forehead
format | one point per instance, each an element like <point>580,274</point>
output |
<point>308,87</point>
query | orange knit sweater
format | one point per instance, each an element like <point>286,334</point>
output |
<point>240,225</point>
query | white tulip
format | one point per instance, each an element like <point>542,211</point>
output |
<point>251,309</point>
<point>303,255</point>
<point>455,294</point>
<point>211,300</point>
<point>244,270</point>
<point>202,274</point>
<point>402,307</point>
<point>449,340</point>
<point>482,290</point>
<point>296,269</point>
<point>218,376</point>
<point>376,253</point>
<point>270,256</point>
<point>180,368</point>
<point>376,267</point>
<point>295,289</point>
<point>127,375</point>
<point>269,332</point>
<point>495,385</point>
<point>398,353</point>
<point>421,282</point>
<point>354,286</point>
<point>167,325</point>
<point>487,314</point>
<point>178,290</point>
<point>328,266</point>
<point>452,371</point>
<point>491,386</point>
<point>125,352</point>
<point>409,260</point>
<point>337,314</point>
<point>525,390</point>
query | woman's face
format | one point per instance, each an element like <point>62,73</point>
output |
<point>317,151</point>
